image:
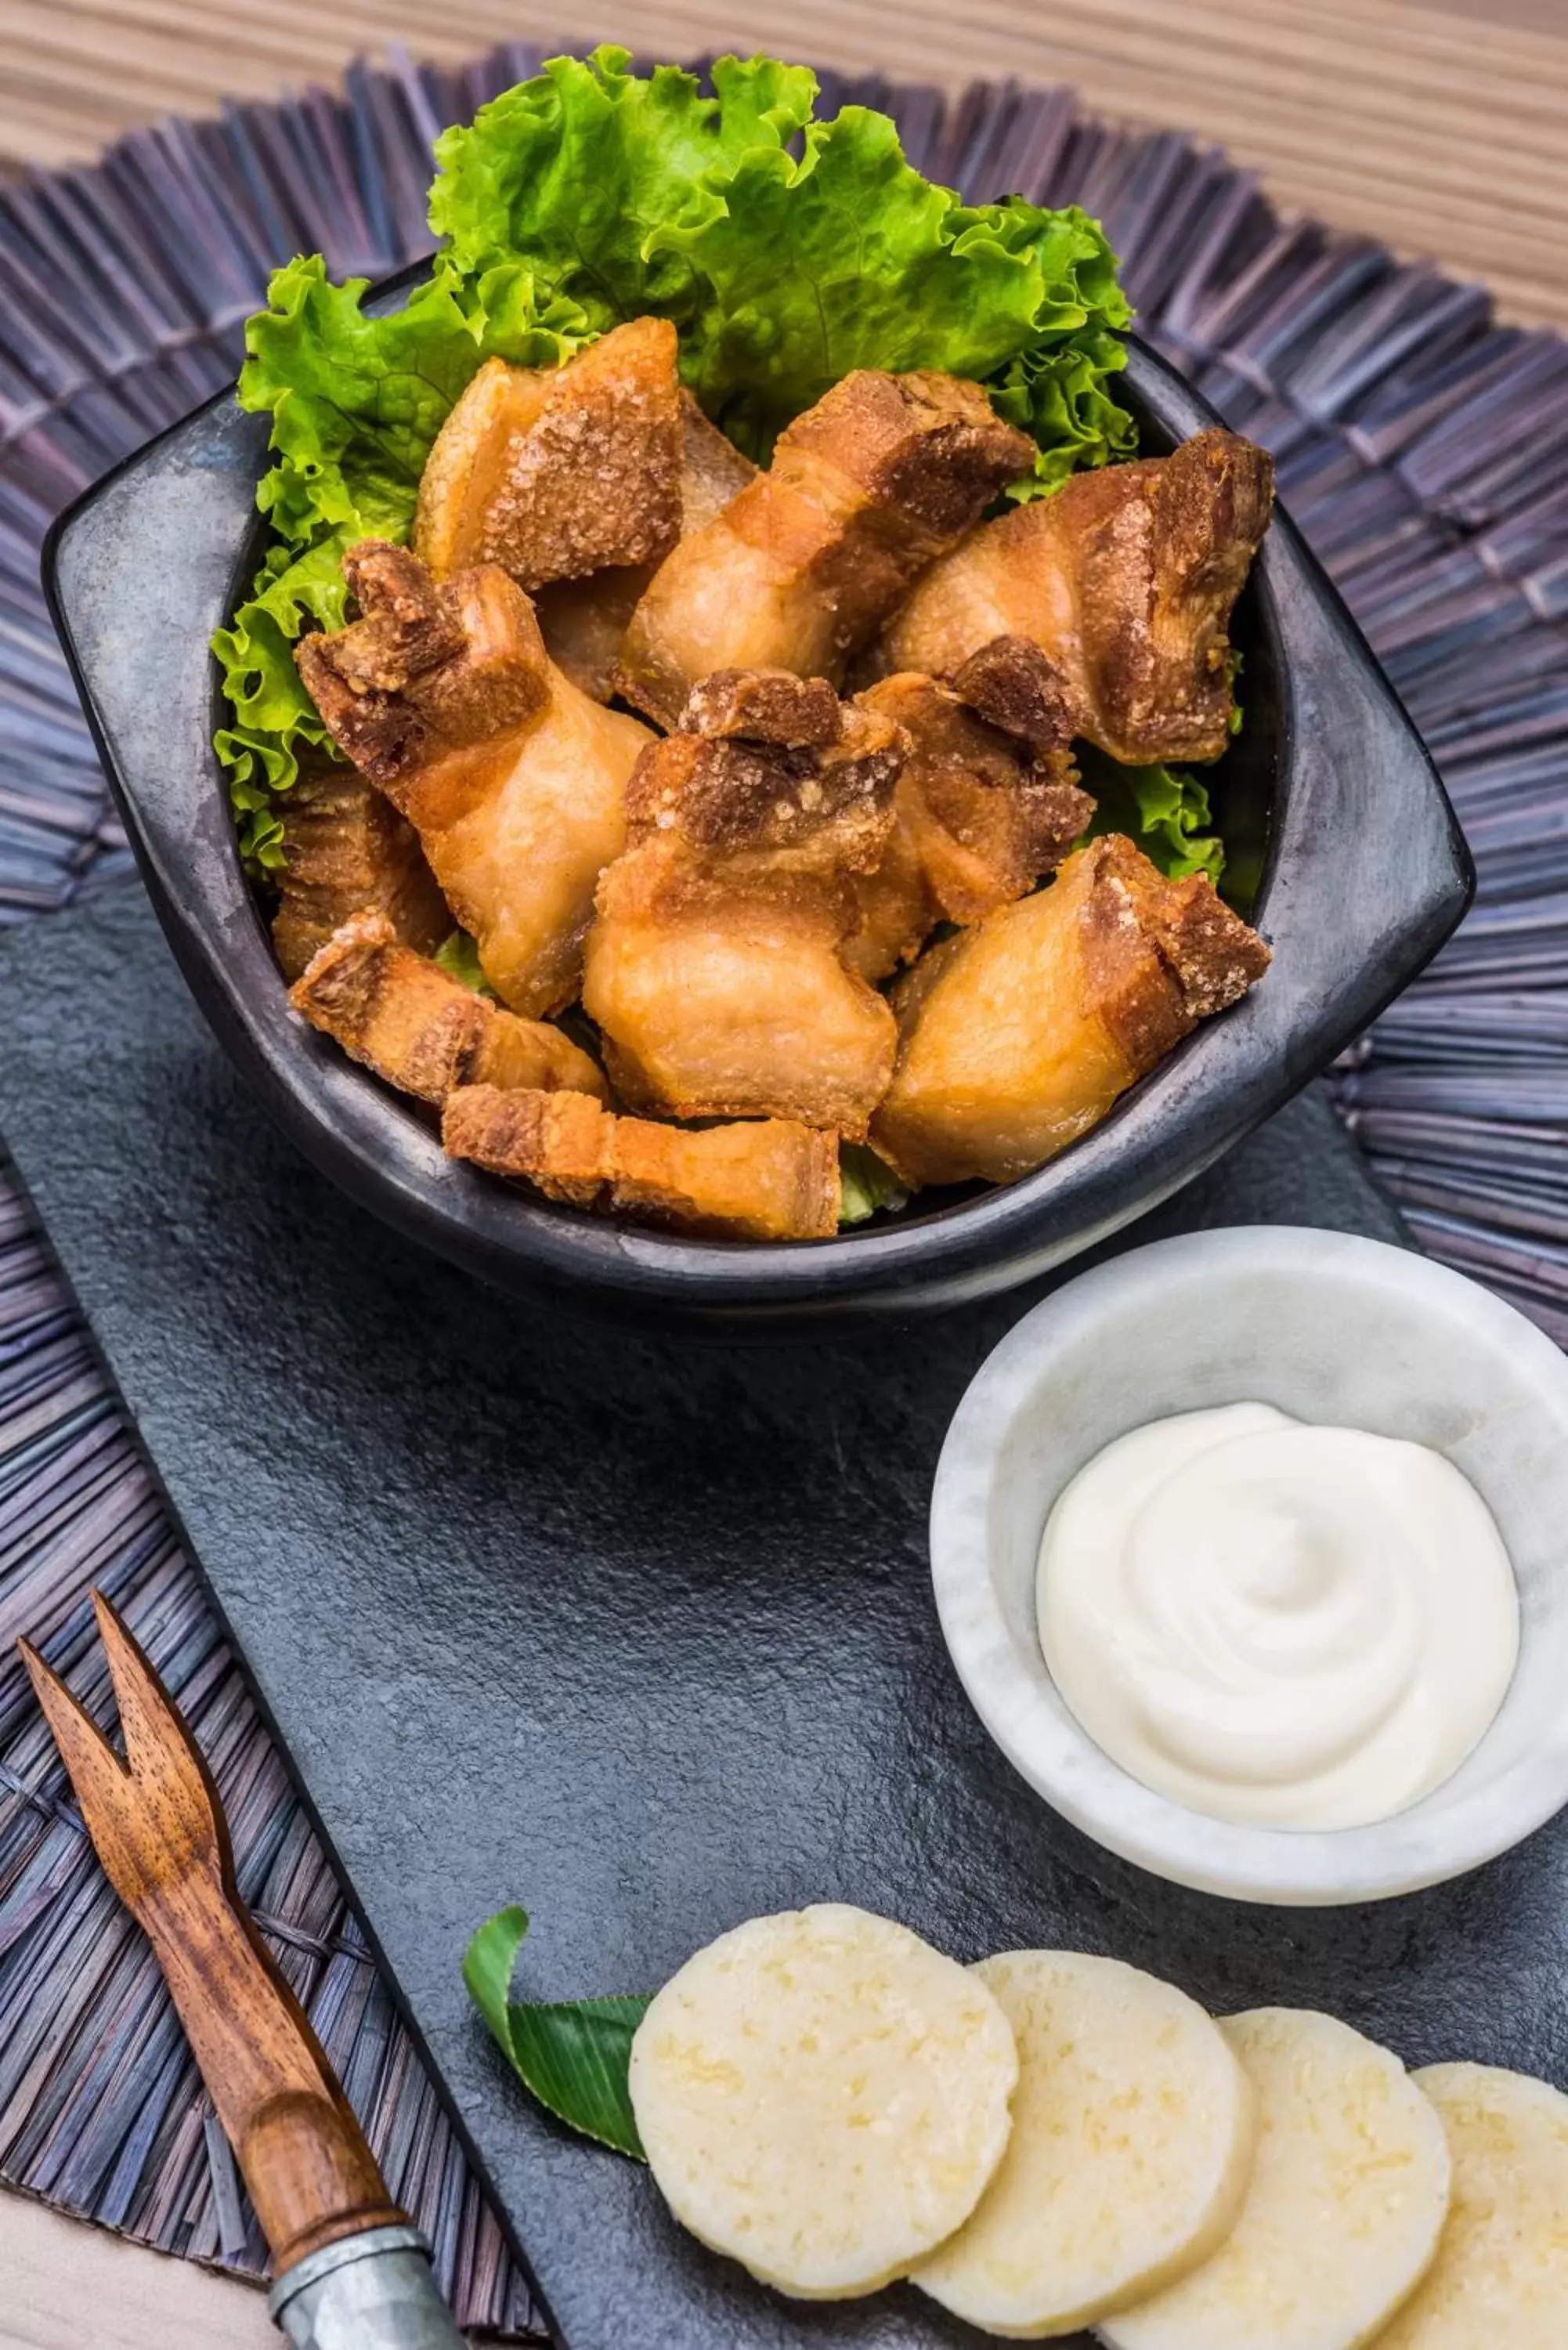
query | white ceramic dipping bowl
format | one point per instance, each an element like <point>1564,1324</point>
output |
<point>1331,1328</point>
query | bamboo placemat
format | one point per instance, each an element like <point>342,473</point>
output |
<point>1424,450</point>
<point>1436,125</point>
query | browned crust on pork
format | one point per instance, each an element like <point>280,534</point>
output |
<point>765,1179</point>
<point>883,474</point>
<point>926,449</point>
<point>765,706</point>
<point>347,850</point>
<point>427,666</point>
<point>1011,683</point>
<point>554,472</point>
<point>422,1030</point>
<point>724,795</point>
<point>562,1143</point>
<point>596,479</point>
<point>979,817</point>
<point>1159,955</point>
<point>584,620</point>
<point>1126,578</point>
<point>1159,575</point>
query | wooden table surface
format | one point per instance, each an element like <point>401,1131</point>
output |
<point>1438,125</point>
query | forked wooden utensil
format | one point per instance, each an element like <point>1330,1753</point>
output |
<point>352,2273</point>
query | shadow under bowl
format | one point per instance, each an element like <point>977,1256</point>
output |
<point>1328,797</point>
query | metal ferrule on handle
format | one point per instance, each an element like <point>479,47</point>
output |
<point>373,2291</point>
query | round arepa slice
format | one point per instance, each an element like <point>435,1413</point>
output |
<point>822,2096</point>
<point>1500,2278</point>
<point>1133,2131</point>
<point>1349,2193</point>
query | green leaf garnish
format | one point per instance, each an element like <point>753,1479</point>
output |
<point>866,1183</point>
<point>458,956</point>
<point>1164,809</point>
<point>572,2054</point>
<point>786,251</point>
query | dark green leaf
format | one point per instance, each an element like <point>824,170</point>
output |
<point>572,2054</point>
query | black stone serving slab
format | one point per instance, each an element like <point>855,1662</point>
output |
<point>1328,792</point>
<point>636,1634</point>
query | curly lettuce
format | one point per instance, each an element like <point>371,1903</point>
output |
<point>786,250</point>
<point>1165,809</point>
<point>356,402</point>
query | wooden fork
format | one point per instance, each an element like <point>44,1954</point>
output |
<point>158,1824</point>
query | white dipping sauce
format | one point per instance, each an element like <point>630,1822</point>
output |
<point>1285,1626</point>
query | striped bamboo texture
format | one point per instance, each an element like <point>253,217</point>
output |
<point>1434,124</point>
<point>1424,450</point>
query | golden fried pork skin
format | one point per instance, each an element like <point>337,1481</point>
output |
<point>585,621</point>
<point>515,781</point>
<point>554,473</point>
<point>584,624</point>
<point>768,1179</point>
<point>1126,578</point>
<point>422,1030</point>
<point>885,474</point>
<point>979,814</point>
<point>1016,1037</point>
<point>347,849</point>
<point>715,966</point>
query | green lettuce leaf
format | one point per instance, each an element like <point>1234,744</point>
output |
<point>866,1183</point>
<point>458,956</point>
<point>1164,809</point>
<point>356,402</point>
<point>572,2054</point>
<point>573,174</point>
<point>787,251</point>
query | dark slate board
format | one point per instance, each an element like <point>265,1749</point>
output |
<point>640,1637</point>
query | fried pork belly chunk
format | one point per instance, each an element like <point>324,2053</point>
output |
<point>866,489</point>
<point>716,965</point>
<point>585,621</point>
<point>768,1179</point>
<point>1125,579</point>
<point>422,1030</point>
<point>980,814</point>
<point>346,850</point>
<point>445,697</point>
<point>554,473</point>
<point>1016,1037</point>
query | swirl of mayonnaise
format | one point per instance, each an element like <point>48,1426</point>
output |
<point>1275,1624</point>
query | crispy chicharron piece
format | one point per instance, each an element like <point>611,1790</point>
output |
<point>513,780</point>
<point>422,1030</point>
<point>979,813</point>
<point>554,473</point>
<point>585,621</point>
<point>885,474</point>
<point>1126,578</point>
<point>716,963</point>
<point>1016,1037</point>
<point>767,1179</point>
<point>346,850</point>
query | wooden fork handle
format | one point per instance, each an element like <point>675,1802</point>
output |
<point>312,2177</point>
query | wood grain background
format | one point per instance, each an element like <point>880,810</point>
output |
<point>1438,125</point>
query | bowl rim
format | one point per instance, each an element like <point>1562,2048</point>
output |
<point>1411,1850</point>
<point>1232,1073</point>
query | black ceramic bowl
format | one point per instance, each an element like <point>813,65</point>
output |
<point>1327,796</point>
